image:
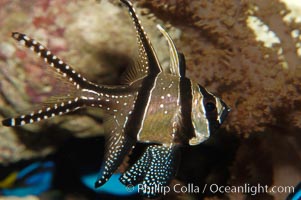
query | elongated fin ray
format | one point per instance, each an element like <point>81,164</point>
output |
<point>147,54</point>
<point>75,78</point>
<point>117,147</point>
<point>173,53</point>
<point>177,60</point>
<point>45,113</point>
<point>155,168</point>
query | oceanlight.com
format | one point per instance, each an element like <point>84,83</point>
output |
<point>215,188</point>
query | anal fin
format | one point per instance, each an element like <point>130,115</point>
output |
<point>117,147</point>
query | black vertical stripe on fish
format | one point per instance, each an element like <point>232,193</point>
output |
<point>182,64</point>
<point>209,102</point>
<point>207,97</point>
<point>186,109</point>
<point>135,121</point>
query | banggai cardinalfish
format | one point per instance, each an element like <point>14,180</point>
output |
<point>164,109</point>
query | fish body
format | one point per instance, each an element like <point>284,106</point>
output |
<point>151,106</point>
<point>165,103</point>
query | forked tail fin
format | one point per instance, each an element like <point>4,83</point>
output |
<point>73,99</point>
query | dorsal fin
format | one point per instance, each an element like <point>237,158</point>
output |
<point>132,73</point>
<point>177,60</point>
<point>149,64</point>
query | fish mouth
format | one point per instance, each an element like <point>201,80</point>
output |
<point>224,113</point>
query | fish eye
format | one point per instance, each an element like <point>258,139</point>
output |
<point>209,106</point>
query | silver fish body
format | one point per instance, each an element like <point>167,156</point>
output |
<point>152,106</point>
